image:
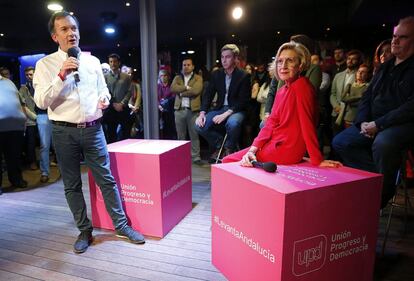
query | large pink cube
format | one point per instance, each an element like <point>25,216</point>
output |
<point>154,181</point>
<point>300,223</point>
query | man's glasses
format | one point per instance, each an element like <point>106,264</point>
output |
<point>290,62</point>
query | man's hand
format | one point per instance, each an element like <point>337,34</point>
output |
<point>68,66</point>
<point>103,103</point>
<point>218,119</point>
<point>201,120</point>
<point>118,106</point>
<point>369,129</point>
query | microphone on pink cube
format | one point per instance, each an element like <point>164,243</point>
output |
<point>269,167</point>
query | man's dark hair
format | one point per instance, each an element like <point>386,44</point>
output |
<point>114,56</point>
<point>188,58</point>
<point>29,68</point>
<point>58,15</point>
<point>357,53</point>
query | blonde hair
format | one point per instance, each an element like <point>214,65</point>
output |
<point>302,52</point>
<point>231,47</point>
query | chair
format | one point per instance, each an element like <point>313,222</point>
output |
<point>218,159</point>
<point>401,191</point>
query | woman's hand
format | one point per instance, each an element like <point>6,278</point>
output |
<point>249,157</point>
<point>330,163</point>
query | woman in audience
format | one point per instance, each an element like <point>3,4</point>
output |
<point>262,95</point>
<point>290,129</point>
<point>382,54</point>
<point>353,94</point>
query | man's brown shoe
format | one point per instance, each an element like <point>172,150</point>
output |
<point>44,179</point>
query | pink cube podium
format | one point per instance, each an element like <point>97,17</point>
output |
<point>300,223</point>
<point>154,181</point>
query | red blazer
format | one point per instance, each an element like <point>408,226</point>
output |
<point>290,130</point>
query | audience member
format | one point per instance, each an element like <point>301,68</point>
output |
<point>340,82</point>
<point>187,88</point>
<point>353,94</point>
<point>262,95</point>
<point>340,61</point>
<point>5,73</point>
<point>119,85</point>
<point>75,109</point>
<point>232,86</point>
<point>135,103</point>
<point>26,94</point>
<point>382,54</point>
<point>166,100</point>
<point>290,129</point>
<point>384,123</point>
<point>324,124</point>
<point>12,123</point>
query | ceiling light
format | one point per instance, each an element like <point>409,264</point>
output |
<point>55,7</point>
<point>183,52</point>
<point>278,32</point>
<point>71,13</point>
<point>118,45</point>
<point>233,35</point>
<point>110,30</point>
<point>328,29</point>
<point>237,13</point>
<point>127,4</point>
<point>190,52</point>
<point>217,61</point>
<point>1,34</point>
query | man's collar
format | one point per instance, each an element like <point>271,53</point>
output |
<point>64,55</point>
<point>231,72</point>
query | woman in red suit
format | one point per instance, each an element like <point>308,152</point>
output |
<point>290,130</point>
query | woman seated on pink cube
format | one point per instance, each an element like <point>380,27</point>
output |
<point>290,130</point>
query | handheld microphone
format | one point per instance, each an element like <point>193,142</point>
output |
<point>267,166</point>
<point>74,53</point>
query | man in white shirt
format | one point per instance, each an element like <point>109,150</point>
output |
<point>75,109</point>
<point>188,87</point>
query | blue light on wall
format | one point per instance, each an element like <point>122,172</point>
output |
<point>26,61</point>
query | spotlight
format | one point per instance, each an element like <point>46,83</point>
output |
<point>190,52</point>
<point>237,13</point>
<point>55,7</point>
<point>109,29</point>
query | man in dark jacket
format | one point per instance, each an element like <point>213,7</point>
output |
<point>385,122</point>
<point>232,86</point>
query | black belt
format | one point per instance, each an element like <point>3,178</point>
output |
<point>185,108</point>
<point>79,125</point>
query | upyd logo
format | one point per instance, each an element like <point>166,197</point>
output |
<point>309,254</point>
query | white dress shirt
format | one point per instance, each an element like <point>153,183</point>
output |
<point>66,100</point>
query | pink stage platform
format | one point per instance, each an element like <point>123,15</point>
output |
<point>154,180</point>
<point>300,223</point>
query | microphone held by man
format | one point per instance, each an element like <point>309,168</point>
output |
<point>74,52</point>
